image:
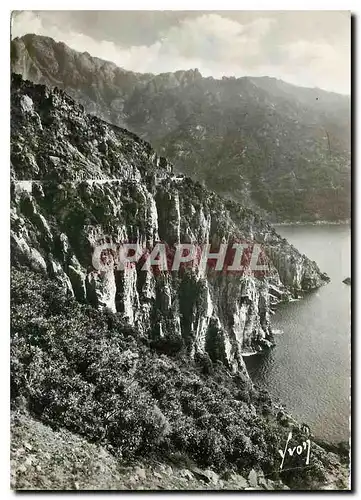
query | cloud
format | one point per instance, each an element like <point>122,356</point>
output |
<point>319,61</point>
<point>211,37</point>
<point>217,46</point>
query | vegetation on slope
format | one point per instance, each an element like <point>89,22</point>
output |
<point>79,369</point>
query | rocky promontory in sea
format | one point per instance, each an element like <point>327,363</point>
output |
<point>141,364</point>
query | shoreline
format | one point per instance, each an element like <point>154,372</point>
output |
<point>312,223</point>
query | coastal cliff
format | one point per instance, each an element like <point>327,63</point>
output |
<point>79,183</point>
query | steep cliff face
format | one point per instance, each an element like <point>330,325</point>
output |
<point>272,145</point>
<point>80,184</point>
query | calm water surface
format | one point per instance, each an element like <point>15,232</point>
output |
<point>309,369</point>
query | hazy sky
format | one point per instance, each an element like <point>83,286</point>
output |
<point>310,48</point>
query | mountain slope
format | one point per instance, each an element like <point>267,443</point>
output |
<point>142,364</point>
<point>81,184</point>
<point>260,141</point>
<point>95,407</point>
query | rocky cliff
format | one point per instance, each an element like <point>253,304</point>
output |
<point>79,183</point>
<point>274,146</point>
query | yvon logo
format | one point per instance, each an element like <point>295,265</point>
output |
<point>300,449</point>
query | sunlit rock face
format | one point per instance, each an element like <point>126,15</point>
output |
<point>79,184</point>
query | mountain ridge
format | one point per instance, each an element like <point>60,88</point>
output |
<point>282,150</point>
<point>32,36</point>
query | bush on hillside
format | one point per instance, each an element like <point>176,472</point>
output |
<point>83,370</point>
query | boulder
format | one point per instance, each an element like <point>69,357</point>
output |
<point>207,475</point>
<point>253,478</point>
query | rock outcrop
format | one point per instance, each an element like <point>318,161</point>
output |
<point>79,183</point>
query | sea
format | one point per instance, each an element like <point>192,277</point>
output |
<point>309,370</point>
